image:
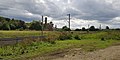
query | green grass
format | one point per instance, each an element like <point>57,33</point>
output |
<point>40,48</point>
<point>14,34</point>
<point>114,35</point>
<point>96,35</point>
<point>89,42</point>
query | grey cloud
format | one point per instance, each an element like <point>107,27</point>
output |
<point>99,10</point>
<point>81,9</point>
<point>96,9</point>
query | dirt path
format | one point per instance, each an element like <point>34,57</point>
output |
<point>111,53</point>
<point>11,41</point>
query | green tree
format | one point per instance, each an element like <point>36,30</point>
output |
<point>77,29</point>
<point>35,25</point>
<point>92,28</point>
<point>5,26</point>
<point>11,24</point>
<point>83,29</point>
<point>65,28</point>
<point>107,27</point>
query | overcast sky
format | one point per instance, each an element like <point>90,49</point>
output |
<point>83,12</point>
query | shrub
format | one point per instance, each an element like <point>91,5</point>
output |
<point>65,36</point>
<point>77,37</point>
<point>103,39</point>
<point>52,42</point>
<point>21,29</point>
<point>77,29</point>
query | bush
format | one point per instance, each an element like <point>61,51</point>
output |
<point>65,36</point>
<point>114,35</point>
<point>77,37</point>
<point>21,29</point>
<point>52,42</point>
<point>103,39</point>
<point>77,29</point>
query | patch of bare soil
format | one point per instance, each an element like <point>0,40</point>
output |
<point>110,53</point>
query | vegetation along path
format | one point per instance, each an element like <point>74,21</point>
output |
<point>110,53</point>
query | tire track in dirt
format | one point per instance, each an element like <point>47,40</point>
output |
<point>110,53</point>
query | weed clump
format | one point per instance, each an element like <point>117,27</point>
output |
<point>1,58</point>
<point>65,36</point>
<point>7,54</point>
<point>102,39</point>
<point>52,42</point>
<point>77,37</point>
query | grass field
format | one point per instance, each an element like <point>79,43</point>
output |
<point>41,48</point>
<point>14,34</point>
<point>88,42</point>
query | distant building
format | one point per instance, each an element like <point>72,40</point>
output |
<point>48,26</point>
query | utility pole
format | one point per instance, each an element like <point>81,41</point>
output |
<point>100,27</point>
<point>88,28</point>
<point>69,21</point>
<point>42,25</point>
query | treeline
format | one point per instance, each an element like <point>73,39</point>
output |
<point>91,28</point>
<point>14,24</point>
<point>11,24</point>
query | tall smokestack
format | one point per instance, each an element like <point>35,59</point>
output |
<point>45,20</point>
